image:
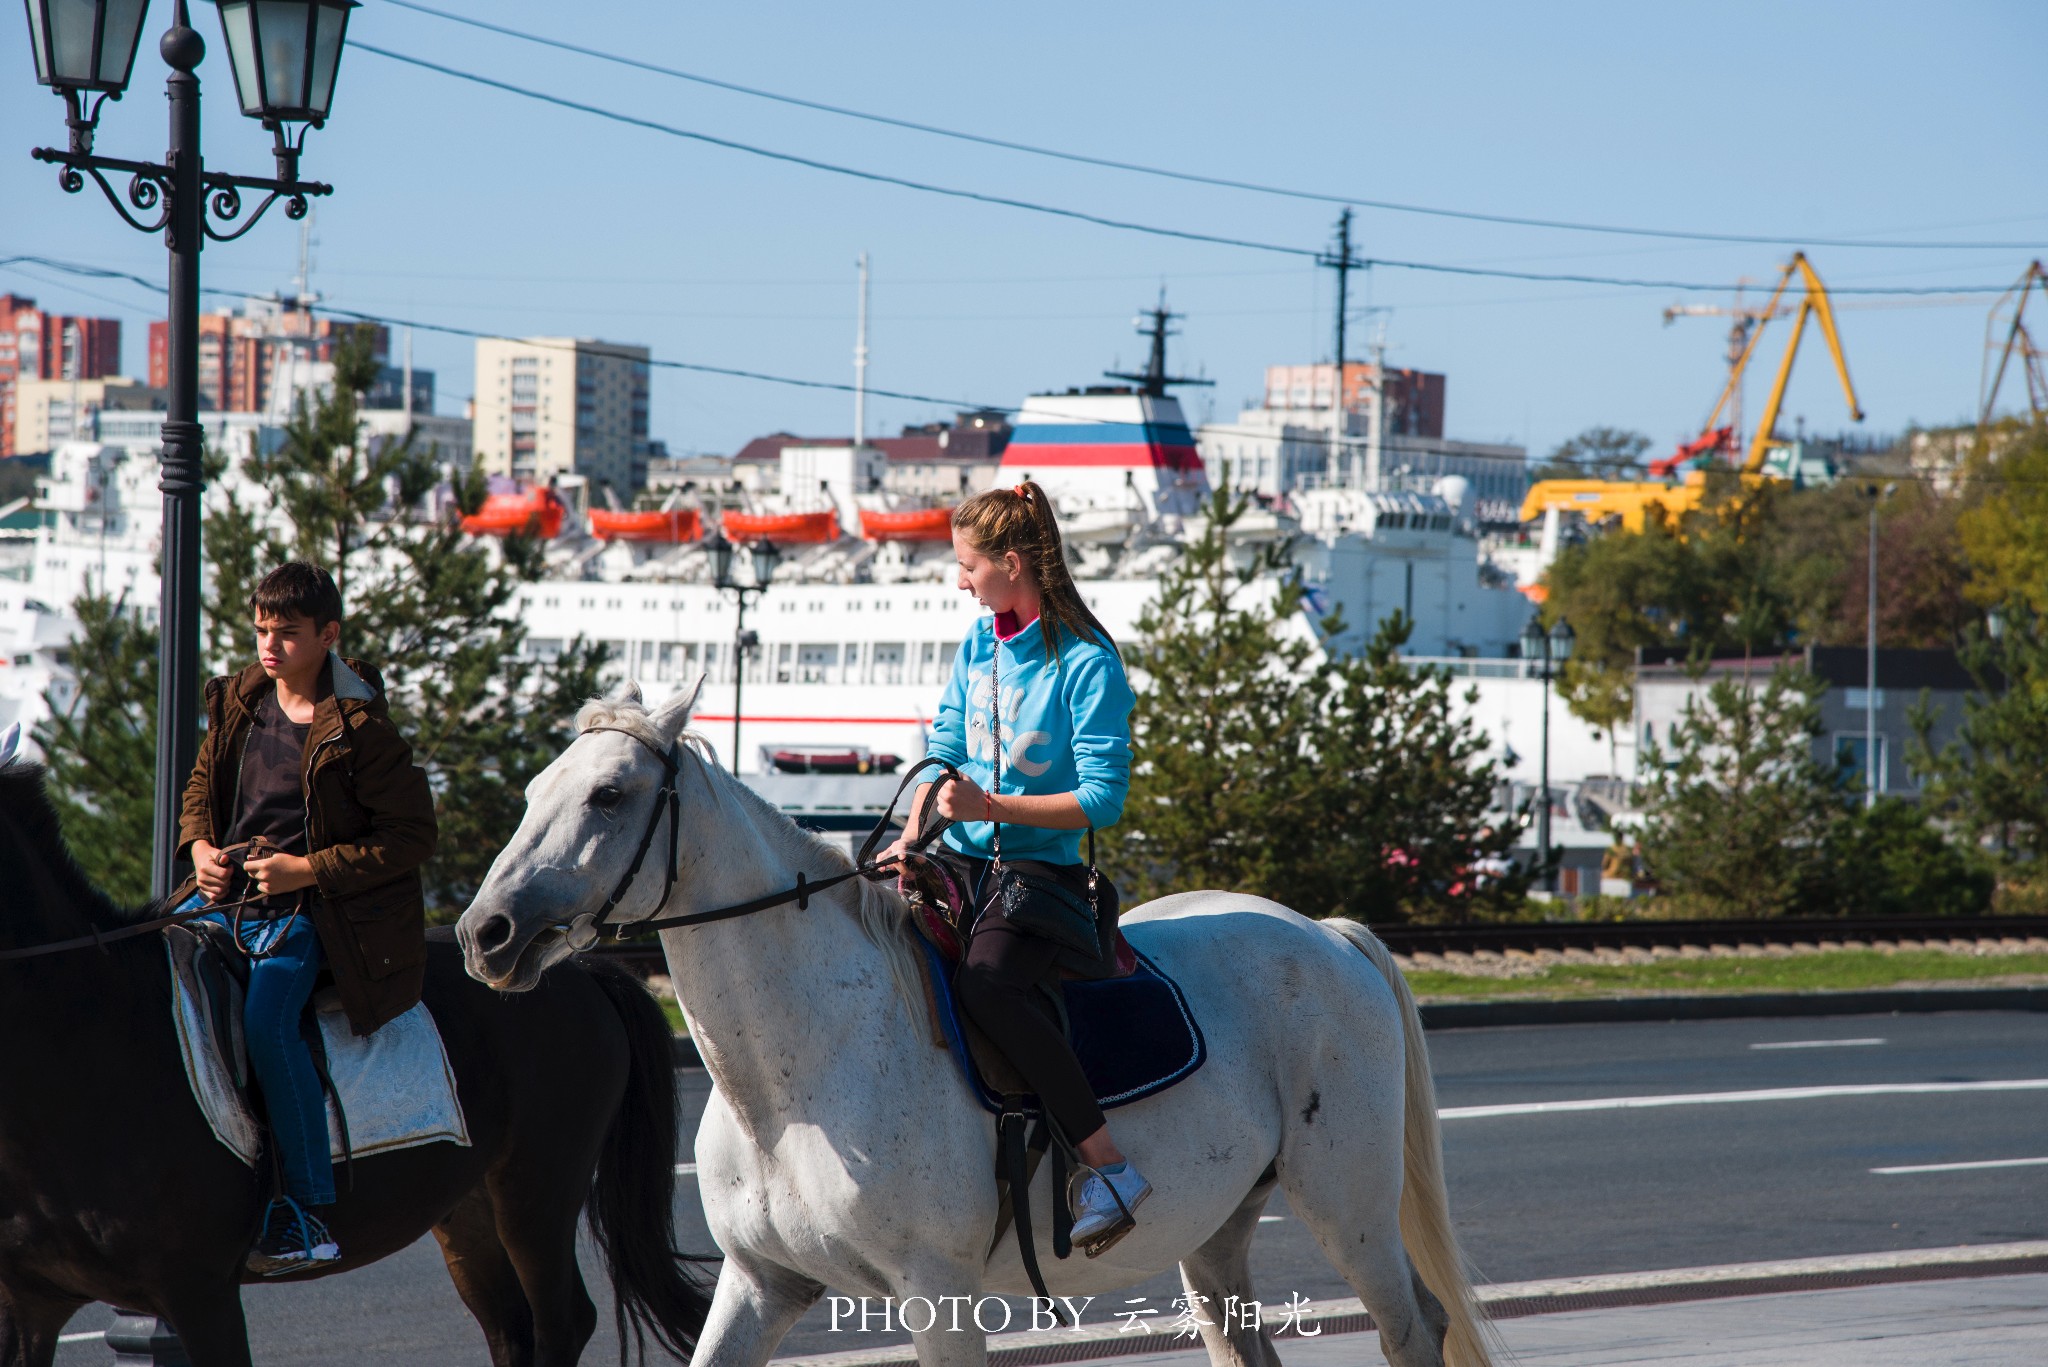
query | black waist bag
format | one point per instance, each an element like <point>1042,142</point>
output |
<point>1075,908</point>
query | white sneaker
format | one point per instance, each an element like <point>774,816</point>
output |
<point>1099,1220</point>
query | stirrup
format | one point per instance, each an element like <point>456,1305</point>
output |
<point>1107,1238</point>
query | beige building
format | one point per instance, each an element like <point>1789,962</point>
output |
<point>51,411</point>
<point>562,405</point>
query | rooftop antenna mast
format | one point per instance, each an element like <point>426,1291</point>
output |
<point>860,363</point>
<point>1156,324</point>
<point>1342,262</point>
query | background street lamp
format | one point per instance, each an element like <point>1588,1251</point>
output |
<point>1873,764</point>
<point>766,557</point>
<point>1549,650</point>
<point>284,54</point>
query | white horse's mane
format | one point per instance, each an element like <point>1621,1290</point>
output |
<point>882,912</point>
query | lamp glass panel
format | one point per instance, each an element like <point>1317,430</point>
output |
<point>766,557</point>
<point>1561,638</point>
<point>71,26</point>
<point>117,40</point>
<point>35,41</point>
<point>238,25</point>
<point>281,33</point>
<point>1532,641</point>
<point>328,23</point>
<point>720,551</point>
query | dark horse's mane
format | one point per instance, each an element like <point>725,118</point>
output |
<point>29,816</point>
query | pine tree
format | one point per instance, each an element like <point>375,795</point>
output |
<point>1264,763</point>
<point>1740,812</point>
<point>101,750</point>
<point>428,605</point>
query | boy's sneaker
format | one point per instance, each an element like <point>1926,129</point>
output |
<point>1104,1209</point>
<point>292,1240</point>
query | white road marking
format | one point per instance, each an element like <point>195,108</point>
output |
<point>686,1169</point>
<point>1966,1167</point>
<point>1271,1219</point>
<point>1820,1044</point>
<point>82,1338</point>
<point>1634,1103</point>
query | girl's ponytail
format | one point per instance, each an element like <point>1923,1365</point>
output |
<point>1021,519</point>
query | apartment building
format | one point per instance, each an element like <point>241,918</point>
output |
<point>47,412</point>
<point>39,345</point>
<point>550,406</point>
<point>242,354</point>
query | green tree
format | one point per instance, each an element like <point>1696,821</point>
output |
<point>1891,859</point>
<point>1989,778</point>
<point>101,748</point>
<point>1597,453</point>
<point>428,605</point>
<point>1266,764</point>
<point>1740,814</point>
<point>2004,530</point>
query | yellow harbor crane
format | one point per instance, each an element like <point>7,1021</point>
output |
<point>1631,500</point>
<point>2017,340</point>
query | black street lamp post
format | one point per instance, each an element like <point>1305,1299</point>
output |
<point>766,558</point>
<point>1550,649</point>
<point>284,54</point>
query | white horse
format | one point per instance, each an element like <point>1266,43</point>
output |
<point>841,1148</point>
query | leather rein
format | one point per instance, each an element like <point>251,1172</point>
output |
<point>100,939</point>
<point>583,932</point>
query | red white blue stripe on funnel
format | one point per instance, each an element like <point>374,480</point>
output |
<point>1121,445</point>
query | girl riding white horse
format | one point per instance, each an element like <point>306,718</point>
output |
<point>840,1148</point>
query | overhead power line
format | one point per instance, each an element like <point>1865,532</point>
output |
<point>1957,477</point>
<point>1191,177</point>
<point>1104,220</point>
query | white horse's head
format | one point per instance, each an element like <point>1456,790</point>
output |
<point>586,815</point>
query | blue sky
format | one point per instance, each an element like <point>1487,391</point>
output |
<point>480,209</point>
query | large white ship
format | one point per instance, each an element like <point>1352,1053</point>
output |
<point>854,635</point>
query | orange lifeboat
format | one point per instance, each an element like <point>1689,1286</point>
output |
<point>914,524</point>
<point>530,512</point>
<point>676,524</point>
<point>794,528</point>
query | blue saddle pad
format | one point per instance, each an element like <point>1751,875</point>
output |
<point>1135,1036</point>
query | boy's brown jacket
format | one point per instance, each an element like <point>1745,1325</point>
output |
<point>369,827</point>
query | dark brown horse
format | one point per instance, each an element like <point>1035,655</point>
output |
<point>112,1188</point>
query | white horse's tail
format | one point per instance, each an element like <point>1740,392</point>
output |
<point>1425,1213</point>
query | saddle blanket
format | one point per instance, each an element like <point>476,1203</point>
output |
<point>395,1086</point>
<point>1135,1035</point>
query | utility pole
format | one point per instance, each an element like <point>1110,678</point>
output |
<point>860,368</point>
<point>1342,262</point>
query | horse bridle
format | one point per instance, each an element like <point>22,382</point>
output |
<point>582,932</point>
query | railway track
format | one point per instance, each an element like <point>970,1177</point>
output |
<point>1458,944</point>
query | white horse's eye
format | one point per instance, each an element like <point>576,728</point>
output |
<point>606,796</point>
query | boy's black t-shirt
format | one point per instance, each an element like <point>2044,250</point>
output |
<point>269,800</point>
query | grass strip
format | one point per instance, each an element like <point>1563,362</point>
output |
<point>1836,970</point>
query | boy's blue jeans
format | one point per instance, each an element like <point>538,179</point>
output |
<point>279,985</point>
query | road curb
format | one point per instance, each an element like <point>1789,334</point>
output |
<point>1582,1011</point>
<point>1590,1011</point>
<point>1516,1300</point>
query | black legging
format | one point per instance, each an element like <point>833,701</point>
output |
<point>998,989</point>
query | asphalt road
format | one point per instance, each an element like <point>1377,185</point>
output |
<point>1535,1193</point>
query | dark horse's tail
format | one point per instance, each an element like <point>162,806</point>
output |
<point>631,1201</point>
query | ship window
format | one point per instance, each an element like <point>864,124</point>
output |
<point>783,653</point>
<point>851,655</point>
<point>816,663</point>
<point>712,661</point>
<point>543,647</point>
<point>928,661</point>
<point>888,662</point>
<point>946,653</point>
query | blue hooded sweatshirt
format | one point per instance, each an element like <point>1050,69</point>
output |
<point>1065,729</point>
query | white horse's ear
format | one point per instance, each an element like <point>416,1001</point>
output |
<point>627,691</point>
<point>672,716</point>
<point>10,741</point>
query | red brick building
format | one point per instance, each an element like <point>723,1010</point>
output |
<point>39,345</point>
<point>238,354</point>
